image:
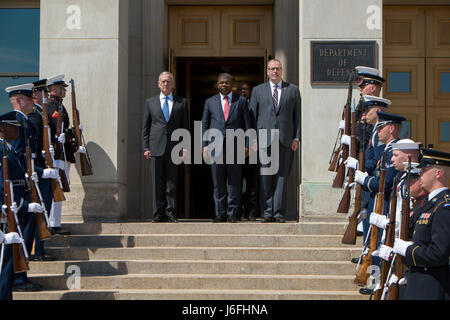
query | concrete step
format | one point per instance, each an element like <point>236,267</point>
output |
<point>197,240</point>
<point>123,267</point>
<point>245,228</point>
<point>199,253</point>
<point>190,294</point>
<point>202,281</point>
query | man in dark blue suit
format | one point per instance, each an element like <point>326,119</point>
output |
<point>276,105</point>
<point>225,111</point>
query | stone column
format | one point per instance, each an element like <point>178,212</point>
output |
<point>88,41</point>
<point>323,20</point>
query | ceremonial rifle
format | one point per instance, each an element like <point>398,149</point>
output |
<point>336,154</point>
<point>58,194</point>
<point>340,176</point>
<point>390,238</point>
<point>344,205</point>
<point>350,232</point>
<point>60,150</point>
<point>393,290</point>
<point>362,275</point>
<point>85,163</point>
<point>19,259</point>
<point>41,224</point>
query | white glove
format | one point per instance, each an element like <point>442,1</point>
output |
<point>400,246</point>
<point>384,252</point>
<point>392,280</point>
<point>81,150</point>
<point>378,220</point>
<point>14,208</point>
<point>12,238</point>
<point>59,164</point>
<point>342,125</point>
<point>352,163</point>
<point>35,208</point>
<point>346,140</point>
<point>360,177</point>
<point>62,138</point>
<point>50,174</point>
<point>34,177</point>
<point>4,209</point>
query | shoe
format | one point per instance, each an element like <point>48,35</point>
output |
<point>232,220</point>
<point>355,260</point>
<point>266,220</point>
<point>171,218</point>
<point>366,291</point>
<point>219,219</point>
<point>27,287</point>
<point>59,231</point>
<point>359,234</point>
<point>280,220</point>
<point>158,219</point>
<point>251,218</point>
<point>42,257</point>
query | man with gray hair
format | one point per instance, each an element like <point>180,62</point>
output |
<point>164,113</point>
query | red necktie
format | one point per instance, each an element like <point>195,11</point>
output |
<point>226,110</point>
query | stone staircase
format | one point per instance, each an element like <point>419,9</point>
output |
<point>200,260</point>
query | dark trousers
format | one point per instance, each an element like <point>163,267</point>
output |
<point>27,223</point>
<point>273,188</point>
<point>6,276</point>
<point>249,202</point>
<point>227,188</point>
<point>45,185</point>
<point>164,178</point>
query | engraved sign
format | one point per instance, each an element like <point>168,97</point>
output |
<point>332,62</point>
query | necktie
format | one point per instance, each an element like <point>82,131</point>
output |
<point>275,98</point>
<point>226,109</point>
<point>166,110</point>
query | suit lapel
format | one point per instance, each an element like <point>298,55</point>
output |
<point>219,107</point>
<point>234,103</point>
<point>174,107</point>
<point>284,87</point>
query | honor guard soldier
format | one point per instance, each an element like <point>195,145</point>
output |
<point>66,154</point>
<point>8,132</point>
<point>40,93</point>
<point>21,100</point>
<point>427,255</point>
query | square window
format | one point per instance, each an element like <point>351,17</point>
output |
<point>399,82</point>
<point>5,82</point>
<point>406,130</point>
<point>445,131</point>
<point>20,36</point>
<point>445,82</point>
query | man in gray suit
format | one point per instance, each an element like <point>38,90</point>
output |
<point>276,105</point>
<point>225,111</point>
<point>164,114</point>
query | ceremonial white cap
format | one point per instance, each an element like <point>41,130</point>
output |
<point>406,144</point>
<point>376,101</point>
<point>25,89</point>
<point>57,80</point>
<point>368,71</point>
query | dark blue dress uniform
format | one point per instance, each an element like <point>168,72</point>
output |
<point>17,176</point>
<point>428,257</point>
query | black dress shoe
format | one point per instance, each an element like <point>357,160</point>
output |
<point>220,219</point>
<point>158,219</point>
<point>266,220</point>
<point>251,218</point>
<point>232,220</point>
<point>355,260</point>
<point>27,287</point>
<point>59,231</point>
<point>280,220</point>
<point>42,257</point>
<point>359,234</point>
<point>366,291</point>
<point>171,218</point>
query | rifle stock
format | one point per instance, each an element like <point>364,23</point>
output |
<point>350,232</point>
<point>344,205</point>
<point>390,238</point>
<point>42,228</point>
<point>19,260</point>
<point>362,275</point>
<point>58,194</point>
<point>85,165</point>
